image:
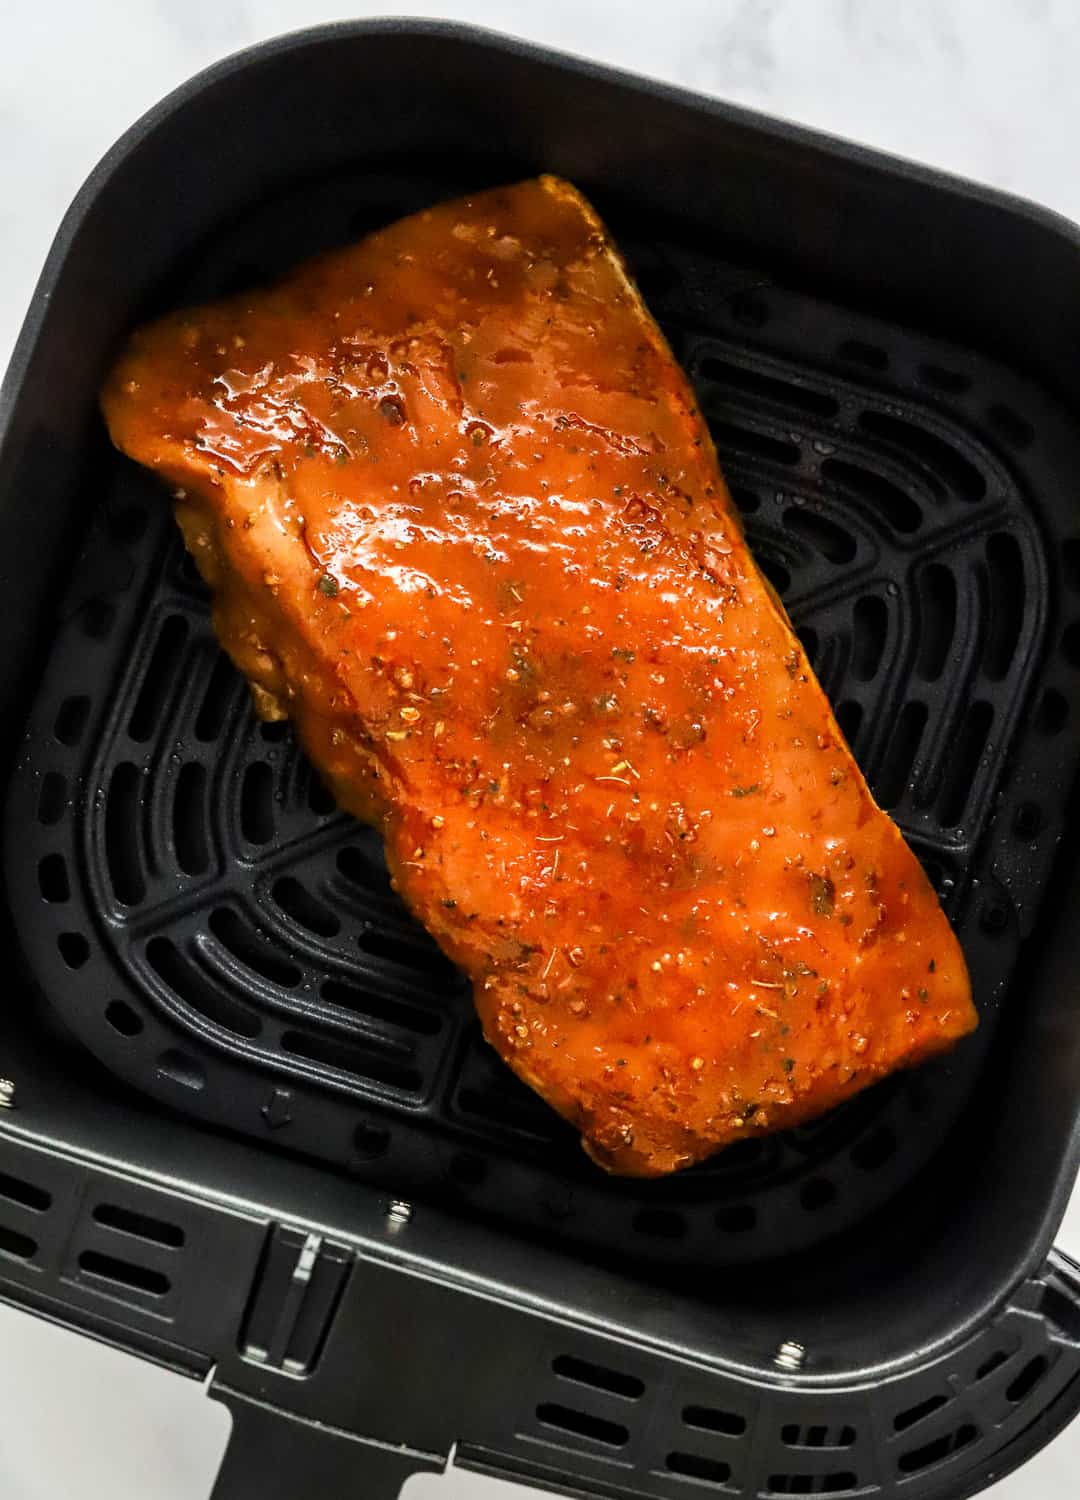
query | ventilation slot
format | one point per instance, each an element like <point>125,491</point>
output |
<point>737,1218</point>
<point>991,1363</point>
<point>694,1466</point>
<point>18,1246</point>
<point>937,620</point>
<point>182,1069</point>
<point>189,820</point>
<point>898,510</point>
<point>74,949</point>
<point>583,1425</point>
<point>834,543</point>
<point>1070,643</point>
<point>869,356</point>
<point>504,1109</point>
<point>747,500</point>
<point>190,577</point>
<point>849,716</point>
<point>1070,562</point>
<point>948,470</point>
<point>363,870</point>
<point>381,1007</point>
<point>233,933</point>
<point>654,282</point>
<point>900,753</point>
<point>660,1223</point>
<point>919,1097</point>
<point>189,984</point>
<point>964,763</point>
<point>52,799</point>
<point>159,679</point>
<point>53,879</point>
<point>817,1194</point>
<point>142,1226</point>
<point>415,951</point>
<point>351,1059</point>
<point>905,1419</point>
<point>217,700</point>
<point>71,719</point>
<point>257,822</point>
<point>297,902</point>
<point>1052,714</point>
<point>870,631</point>
<point>319,798</point>
<point>615,1382</point>
<point>769,388</point>
<point>123,807</point>
<point>742,1156</point>
<point>124,1273</point>
<point>711,1419</point>
<point>1006,605</point>
<point>504,1101</point>
<point>733,439</point>
<point>775,571</point>
<point>25,1194</point>
<point>810,642</point>
<point>817,1437</point>
<point>936,1452</point>
<point>1028,1378</point>
<point>122,1018</point>
<point>812,1484</point>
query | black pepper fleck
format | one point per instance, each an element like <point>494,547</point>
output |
<point>822,895</point>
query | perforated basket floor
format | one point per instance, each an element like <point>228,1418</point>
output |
<point>201,917</point>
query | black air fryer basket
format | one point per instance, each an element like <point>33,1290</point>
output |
<point>253,1132</point>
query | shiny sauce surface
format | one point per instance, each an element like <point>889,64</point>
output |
<point>466,528</point>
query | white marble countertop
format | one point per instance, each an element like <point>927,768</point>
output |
<point>987,88</point>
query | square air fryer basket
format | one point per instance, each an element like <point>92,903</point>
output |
<point>252,1130</point>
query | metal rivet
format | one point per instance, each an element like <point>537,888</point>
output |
<point>399,1211</point>
<point>7,1094</point>
<point>790,1356</point>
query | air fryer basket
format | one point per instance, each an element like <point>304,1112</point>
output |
<point>256,1126</point>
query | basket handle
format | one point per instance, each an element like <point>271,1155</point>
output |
<point>273,1455</point>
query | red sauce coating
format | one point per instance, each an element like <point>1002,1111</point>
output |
<point>465,527</point>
